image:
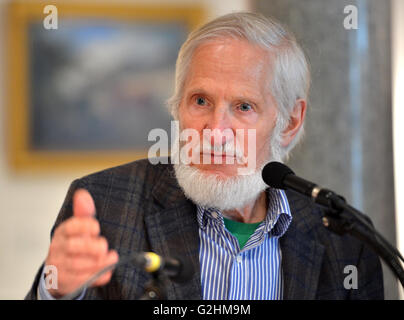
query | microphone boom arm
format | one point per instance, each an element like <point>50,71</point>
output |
<point>341,218</point>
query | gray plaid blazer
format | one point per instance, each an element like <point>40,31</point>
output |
<point>140,207</point>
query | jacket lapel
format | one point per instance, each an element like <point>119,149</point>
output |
<point>302,255</point>
<point>173,232</point>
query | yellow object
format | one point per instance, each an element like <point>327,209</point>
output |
<point>153,262</point>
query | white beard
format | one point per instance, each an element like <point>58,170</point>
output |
<point>209,190</point>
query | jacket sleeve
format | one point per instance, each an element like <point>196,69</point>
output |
<point>370,274</point>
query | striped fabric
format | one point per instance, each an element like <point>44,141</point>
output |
<point>254,273</point>
<point>140,207</point>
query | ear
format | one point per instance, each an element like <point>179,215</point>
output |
<point>296,120</point>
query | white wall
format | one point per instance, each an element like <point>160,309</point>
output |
<point>398,118</point>
<point>29,203</point>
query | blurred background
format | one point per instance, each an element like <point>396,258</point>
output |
<point>83,97</point>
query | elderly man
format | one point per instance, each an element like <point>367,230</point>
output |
<point>238,73</point>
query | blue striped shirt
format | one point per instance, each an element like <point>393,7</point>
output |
<point>253,273</point>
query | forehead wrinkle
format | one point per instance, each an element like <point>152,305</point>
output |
<point>252,81</point>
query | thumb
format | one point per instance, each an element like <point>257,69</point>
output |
<point>83,204</point>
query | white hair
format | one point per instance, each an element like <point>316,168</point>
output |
<point>291,77</point>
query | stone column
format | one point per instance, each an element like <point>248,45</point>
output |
<point>348,143</point>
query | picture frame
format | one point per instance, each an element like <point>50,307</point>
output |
<point>86,94</point>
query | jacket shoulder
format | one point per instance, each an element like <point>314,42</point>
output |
<point>141,172</point>
<point>341,253</point>
<point>118,189</point>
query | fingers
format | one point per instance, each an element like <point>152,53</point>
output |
<point>85,226</point>
<point>94,247</point>
<point>77,248</point>
<point>75,270</point>
<point>83,204</point>
<point>90,265</point>
<point>80,270</point>
<point>112,258</point>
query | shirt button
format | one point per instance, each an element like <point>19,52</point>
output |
<point>214,214</point>
<point>239,259</point>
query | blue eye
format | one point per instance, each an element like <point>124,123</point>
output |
<point>201,101</point>
<point>245,107</point>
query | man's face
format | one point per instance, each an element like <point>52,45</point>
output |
<point>228,88</point>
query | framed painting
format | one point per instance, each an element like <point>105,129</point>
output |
<point>88,92</point>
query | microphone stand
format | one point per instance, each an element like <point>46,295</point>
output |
<point>154,288</point>
<point>341,218</point>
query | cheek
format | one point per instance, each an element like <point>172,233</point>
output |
<point>263,146</point>
<point>189,121</point>
<point>254,141</point>
<point>189,124</point>
<point>184,119</point>
<point>263,138</point>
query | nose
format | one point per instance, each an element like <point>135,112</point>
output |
<point>220,126</point>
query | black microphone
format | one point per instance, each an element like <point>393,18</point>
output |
<point>279,176</point>
<point>177,269</point>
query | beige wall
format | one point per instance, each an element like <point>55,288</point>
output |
<point>29,203</point>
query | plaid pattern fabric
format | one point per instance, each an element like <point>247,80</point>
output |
<point>140,207</point>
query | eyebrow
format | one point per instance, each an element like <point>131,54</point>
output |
<point>240,98</point>
<point>197,90</point>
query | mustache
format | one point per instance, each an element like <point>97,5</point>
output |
<point>227,149</point>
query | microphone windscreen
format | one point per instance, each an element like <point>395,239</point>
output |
<point>186,270</point>
<point>274,173</point>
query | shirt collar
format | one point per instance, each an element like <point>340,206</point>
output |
<point>277,220</point>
